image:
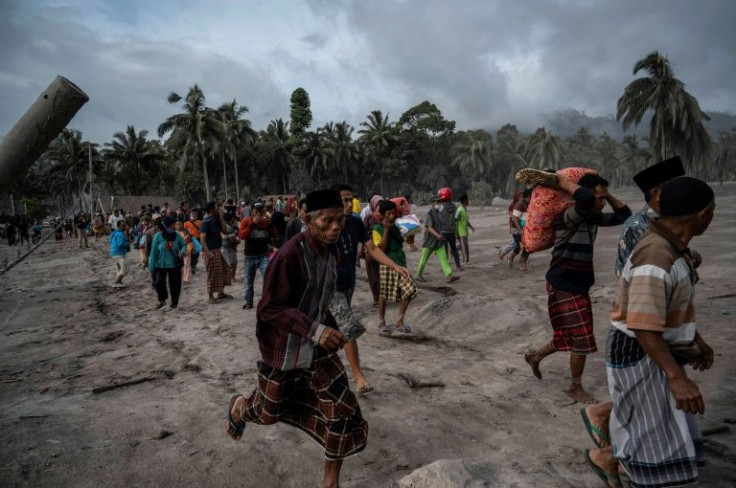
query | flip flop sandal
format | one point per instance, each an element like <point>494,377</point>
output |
<point>603,440</point>
<point>367,388</point>
<point>238,429</point>
<point>605,477</point>
<point>531,177</point>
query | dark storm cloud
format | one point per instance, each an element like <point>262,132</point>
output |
<point>483,63</point>
<point>458,53</point>
<point>127,80</point>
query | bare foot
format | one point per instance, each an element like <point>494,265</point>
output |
<point>578,394</point>
<point>531,359</point>
<point>235,424</point>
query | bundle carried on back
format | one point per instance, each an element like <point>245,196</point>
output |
<point>546,204</point>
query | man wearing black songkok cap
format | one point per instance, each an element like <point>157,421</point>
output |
<point>653,336</point>
<point>649,182</point>
<point>301,380</point>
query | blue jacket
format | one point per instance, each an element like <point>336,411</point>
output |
<point>119,243</point>
<point>163,257</point>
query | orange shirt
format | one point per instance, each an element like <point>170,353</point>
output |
<point>193,228</point>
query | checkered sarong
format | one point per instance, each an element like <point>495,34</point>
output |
<point>394,287</point>
<point>318,402</point>
<point>571,316</point>
<point>218,276</point>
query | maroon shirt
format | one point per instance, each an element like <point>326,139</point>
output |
<point>293,311</point>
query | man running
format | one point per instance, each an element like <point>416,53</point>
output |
<point>301,380</point>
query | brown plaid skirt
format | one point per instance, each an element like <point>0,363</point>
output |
<point>318,402</point>
<point>571,316</point>
<point>218,276</point>
<point>394,287</point>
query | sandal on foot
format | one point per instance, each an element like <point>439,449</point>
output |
<point>366,388</point>
<point>404,329</point>
<point>602,440</point>
<point>607,478</point>
<point>237,429</point>
<point>385,330</point>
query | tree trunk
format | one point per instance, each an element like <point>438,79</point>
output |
<point>224,176</point>
<point>204,173</point>
<point>237,182</point>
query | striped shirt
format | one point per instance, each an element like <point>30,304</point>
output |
<point>656,288</point>
<point>571,268</point>
<point>293,311</point>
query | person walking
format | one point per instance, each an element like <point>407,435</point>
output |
<point>447,213</point>
<point>434,243</point>
<point>653,335</point>
<point>186,269</point>
<point>230,243</point>
<point>119,247</point>
<point>571,275</point>
<point>192,226</point>
<point>394,287</point>
<point>218,276</point>
<point>257,235</point>
<point>166,260</point>
<point>463,224</point>
<point>353,235</point>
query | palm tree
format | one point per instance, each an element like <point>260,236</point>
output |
<point>275,148</point>
<point>317,155</point>
<point>473,156</point>
<point>344,150</point>
<point>676,126</point>
<point>131,149</point>
<point>238,135</point>
<point>68,172</point>
<point>195,131</point>
<point>378,135</point>
<point>543,150</point>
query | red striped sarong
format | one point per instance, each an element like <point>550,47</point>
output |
<point>571,315</point>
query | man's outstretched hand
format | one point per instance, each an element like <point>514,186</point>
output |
<point>332,339</point>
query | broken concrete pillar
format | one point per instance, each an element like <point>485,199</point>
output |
<point>41,123</point>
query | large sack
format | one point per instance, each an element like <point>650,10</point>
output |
<point>544,207</point>
<point>409,225</point>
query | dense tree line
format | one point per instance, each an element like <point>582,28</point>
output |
<point>206,153</point>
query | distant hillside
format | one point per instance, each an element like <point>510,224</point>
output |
<point>565,123</point>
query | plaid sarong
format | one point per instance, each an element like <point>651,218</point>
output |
<point>658,444</point>
<point>394,287</point>
<point>571,316</point>
<point>318,402</point>
<point>218,276</point>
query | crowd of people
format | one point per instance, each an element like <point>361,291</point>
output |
<point>308,251</point>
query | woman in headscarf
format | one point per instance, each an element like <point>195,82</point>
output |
<point>371,218</point>
<point>166,260</point>
<point>186,270</point>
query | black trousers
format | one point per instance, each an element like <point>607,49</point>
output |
<point>174,275</point>
<point>450,241</point>
<point>194,260</point>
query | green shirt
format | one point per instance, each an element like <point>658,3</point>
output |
<point>395,247</point>
<point>463,220</point>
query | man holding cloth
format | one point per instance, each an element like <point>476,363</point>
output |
<point>301,380</point>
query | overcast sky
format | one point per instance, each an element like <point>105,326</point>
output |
<point>483,63</point>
